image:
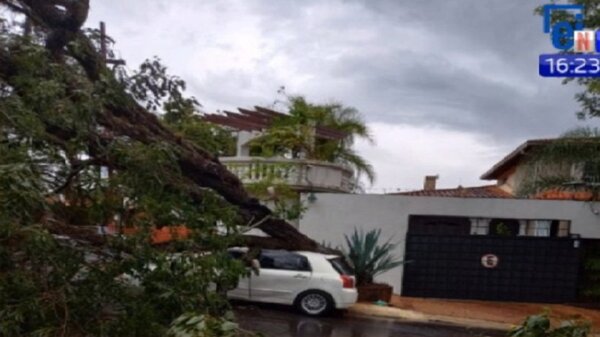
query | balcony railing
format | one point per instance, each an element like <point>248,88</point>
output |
<point>302,175</point>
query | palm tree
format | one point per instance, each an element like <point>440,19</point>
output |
<point>349,121</point>
<point>293,135</point>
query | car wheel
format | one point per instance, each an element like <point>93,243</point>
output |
<point>314,303</point>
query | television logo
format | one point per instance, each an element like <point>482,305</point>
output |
<point>580,56</point>
<point>585,41</point>
<point>567,35</point>
<point>563,33</point>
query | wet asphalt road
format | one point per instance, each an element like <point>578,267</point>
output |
<point>275,321</point>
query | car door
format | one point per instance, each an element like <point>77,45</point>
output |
<point>241,292</point>
<point>282,276</point>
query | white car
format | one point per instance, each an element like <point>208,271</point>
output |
<point>314,283</point>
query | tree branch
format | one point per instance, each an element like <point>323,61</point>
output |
<point>76,168</point>
<point>14,7</point>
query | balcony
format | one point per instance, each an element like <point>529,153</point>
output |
<point>302,175</point>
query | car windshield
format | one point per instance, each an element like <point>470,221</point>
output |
<point>341,266</point>
<point>284,260</point>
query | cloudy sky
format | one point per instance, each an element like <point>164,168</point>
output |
<point>447,87</point>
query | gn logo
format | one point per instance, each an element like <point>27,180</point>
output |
<point>570,35</point>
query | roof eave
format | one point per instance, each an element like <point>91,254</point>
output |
<point>501,166</point>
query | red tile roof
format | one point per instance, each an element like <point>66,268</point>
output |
<point>488,191</point>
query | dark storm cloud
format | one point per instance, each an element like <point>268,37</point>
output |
<point>465,64</point>
<point>467,68</point>
<point>479,71</point>
<point>431,91</point>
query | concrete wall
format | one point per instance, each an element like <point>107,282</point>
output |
<point>333,215</point>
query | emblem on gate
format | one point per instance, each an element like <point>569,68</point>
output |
<point>490,261</point>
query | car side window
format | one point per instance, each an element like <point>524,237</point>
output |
<point>283,260</point>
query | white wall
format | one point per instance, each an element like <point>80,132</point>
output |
<point>333,215</point>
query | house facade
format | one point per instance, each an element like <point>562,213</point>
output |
<point>295,171</point>
<point>513,172</point>
<point>469,242</point>
<point>279,180</point>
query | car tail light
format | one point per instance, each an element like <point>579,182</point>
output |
<point>347,281</point>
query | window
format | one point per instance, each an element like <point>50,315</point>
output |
<point>480,226</point>
<point>591,170</point>
<point>341,266</point>
<point>588,171</point>
<point>438,225</point>
<point>504,227</point>
<point>563,228</point>
<point>545,228</point>
<point>540,227</point>
<point>283,260</point>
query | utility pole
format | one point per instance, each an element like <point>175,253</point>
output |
<point>104,48</point>
<point>116,62</point>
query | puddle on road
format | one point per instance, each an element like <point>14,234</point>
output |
<point>283,322</point>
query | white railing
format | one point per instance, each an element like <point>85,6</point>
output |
<point>305,175</point>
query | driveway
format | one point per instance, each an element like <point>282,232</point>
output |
<point>275,321</point>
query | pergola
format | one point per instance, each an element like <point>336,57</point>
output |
<point>260,119</point>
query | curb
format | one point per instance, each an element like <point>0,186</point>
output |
<point>364,309</point>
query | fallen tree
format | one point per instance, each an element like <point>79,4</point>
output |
<point>84,147</point>
<point>60,22</point>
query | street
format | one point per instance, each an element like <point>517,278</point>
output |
<point>276,321</point>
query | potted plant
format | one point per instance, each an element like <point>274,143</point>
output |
<point>369,259</point>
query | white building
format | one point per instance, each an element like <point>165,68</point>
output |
<point>536,241</point>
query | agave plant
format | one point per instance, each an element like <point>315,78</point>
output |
<point>368,257</point>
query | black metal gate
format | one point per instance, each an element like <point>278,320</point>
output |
<point>529,269</point>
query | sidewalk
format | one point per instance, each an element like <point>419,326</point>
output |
<point>474,314</point>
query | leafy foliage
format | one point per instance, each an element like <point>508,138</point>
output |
<point>191,324</point>
<point>285,201</point>
<point>368,256</point>
<point>539,326</point>
<point>211,137</point>
<point>57,275</point>
<point>551,166</point>
<point>590,278</point>
<point>162,93</point>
